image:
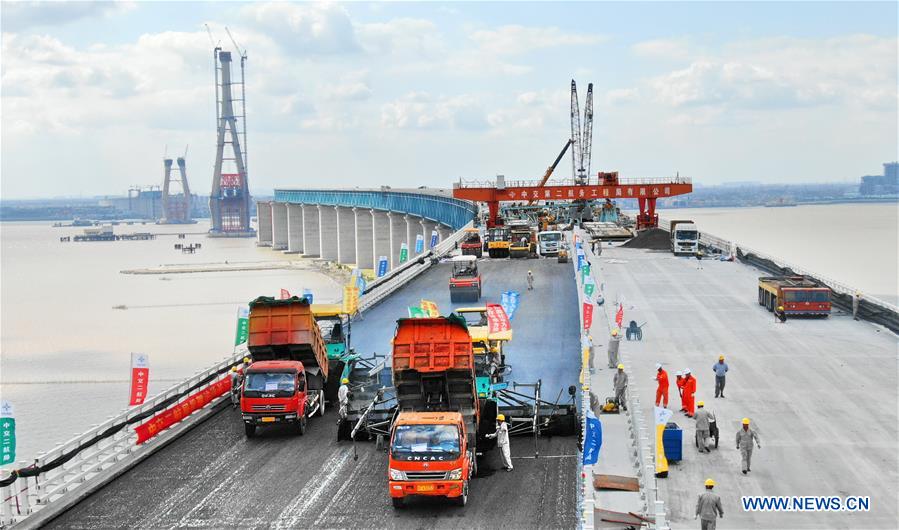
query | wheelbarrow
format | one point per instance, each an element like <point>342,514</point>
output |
<point>633,331</point>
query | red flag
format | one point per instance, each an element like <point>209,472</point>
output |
<point>497,320</point>
<point>285,294</point>
<point>140,373</point>
<point>588,315</point>
<point>619,316</point>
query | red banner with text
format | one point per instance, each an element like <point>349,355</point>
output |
<point>176,413</point>
<point>588,315</point>
<point>140,375</point>
<point>497,319</point>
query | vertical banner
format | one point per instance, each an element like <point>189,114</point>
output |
<point>580,259</point>
<point>7,434</point>
<point>350,299</point>
<point>285,294</point>
<point>588,314</point>
<point>509,300</point>
<point>497,319</point>
<point>434,238</point>
<point>592,439</point>
<point>585,271</point>
<point>140,373</point>
<point>243,325</point>
<point>589,286</point>
<point>404,253</point>
<point>430,308</point>
<point>419,243</point>
<point>619,315</point>
<point>382,266</point>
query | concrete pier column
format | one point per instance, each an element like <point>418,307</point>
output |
<point>346,235</point>
<point>294,229</point>
<point>365,238</point>
<point>444,231</point>
<point>427,227</point>
<point>279,226</point>
<point>380,236</point>
<point>398,234</point>
<point>264,220</point>
<point>413,228</point>
<point>311,238</point>
<point>327,229</point>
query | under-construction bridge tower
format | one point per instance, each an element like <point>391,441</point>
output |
<point>229,201</point>
<point>176,207</point>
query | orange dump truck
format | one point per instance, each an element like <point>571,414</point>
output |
<point>285,383</point>
<point>434,435</point>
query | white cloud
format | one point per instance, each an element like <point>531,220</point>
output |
<point>18,16</point>
<point>305,29</point>
<point>664,48</point>
<point>515,40</point>
<point>401,36</point>
<point>418,110</point>
<point>620,95</point>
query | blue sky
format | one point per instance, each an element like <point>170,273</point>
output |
<point>406,94</point>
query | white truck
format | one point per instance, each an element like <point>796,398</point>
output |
<point>549,243</point>
<point>684,237</point>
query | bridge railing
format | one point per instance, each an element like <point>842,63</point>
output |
<point>58,473</point>
<point>512,183</point>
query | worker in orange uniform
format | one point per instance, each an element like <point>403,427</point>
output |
<point>662,390</point>
<point>689,392</point>
<point>680,389</point>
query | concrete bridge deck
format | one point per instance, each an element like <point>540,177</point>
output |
<point>213,477</point>
<point>822,393</point>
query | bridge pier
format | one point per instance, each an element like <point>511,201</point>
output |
<point>346,235</point>
<point>365,238</point>
<point>311,237</point>
<point>398,234</point>
<point>426,228</point>
<point>294,229</point>
<point>264,220</point>
<point>413,228</point>
<point>444,232</point>
<point>327,230</point>
<point>381,236</point>
<point>279,226</point>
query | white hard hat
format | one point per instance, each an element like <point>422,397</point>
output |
<point>658,365</point>
<point>686,370</point>
<point>679,373</point>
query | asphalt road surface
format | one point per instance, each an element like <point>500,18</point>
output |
<point>214,477</point>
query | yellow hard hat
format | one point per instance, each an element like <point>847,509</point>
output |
<point>621,367</point>
<point>709,482</point>
<point>745,421</point>
<point>500,417</point>
<point>720,357</point>
<point>615,332</point>
<point>246,359</point>
<point>700,404</point>
<point>344,380</point>
<point>780,308</point>
<point>233,368</point>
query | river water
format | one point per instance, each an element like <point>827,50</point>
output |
<point>66,348</point>
<point>854,244</point>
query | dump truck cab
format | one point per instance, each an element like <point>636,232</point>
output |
<point>472,245</point>
<point>465,283</point>
<point>430,455</point>
<point>275,392</point>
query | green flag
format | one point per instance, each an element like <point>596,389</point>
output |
<point>589,286</point>
<point>585,271</point>
<point>404,253</point>
<point>243,326</point>
<point>7,434</point>
<point>417,312</point>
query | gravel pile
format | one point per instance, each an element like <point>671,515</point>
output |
<point>653,239</point>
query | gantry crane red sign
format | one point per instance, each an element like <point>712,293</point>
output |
<point>609,186</point>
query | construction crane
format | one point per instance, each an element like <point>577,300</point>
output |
<point>550,169</point>
<point>582,137</point>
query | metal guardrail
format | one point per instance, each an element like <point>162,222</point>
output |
<point>26,495</point>
<point>482,183</point>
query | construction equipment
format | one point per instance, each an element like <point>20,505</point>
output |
<point>472,245</point>
<point>552,167</point>
<point>499,242</point>
<point>684,237</point>
<point>335,328</point>
<point>522,244</point>
<point>465,283</point>
<point>582,137</point>
<point>798,295</point>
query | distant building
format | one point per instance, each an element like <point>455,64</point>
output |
<point>886,184</point>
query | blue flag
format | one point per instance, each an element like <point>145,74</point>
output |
<point>510,300</point>
<point>419,243</point>
<point>593,439</point>
<point>307,294</point>
<point>382,266</point>
<point>434,238</point>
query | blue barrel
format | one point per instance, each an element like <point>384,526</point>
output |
<point>673,442</point>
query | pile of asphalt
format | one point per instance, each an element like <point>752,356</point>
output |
<point>653,239</point>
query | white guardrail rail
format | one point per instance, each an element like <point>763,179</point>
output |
<point>102,460</point>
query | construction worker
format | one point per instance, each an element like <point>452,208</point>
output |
<point>689,392</point>
<point>502,440</point>
<point>744,444</point>
<point>702,427</point>
<point>530,281</point>
<point>620,384</point>
<point>679,381</point>
<point>662,390</point>
<point>708,507</point>
<point>780,314</point>
<point>720,368</point>
<point>856,300</point>
<point>343,396</point>
<point>614,342</point>
<point>246,364</point>
<point>236,380</point>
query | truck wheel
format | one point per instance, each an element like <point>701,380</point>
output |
<point>301,426</point>
<point>462,500</point>
<point>249,429</point>
<point>321,409</point>
<point>398,502</point>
